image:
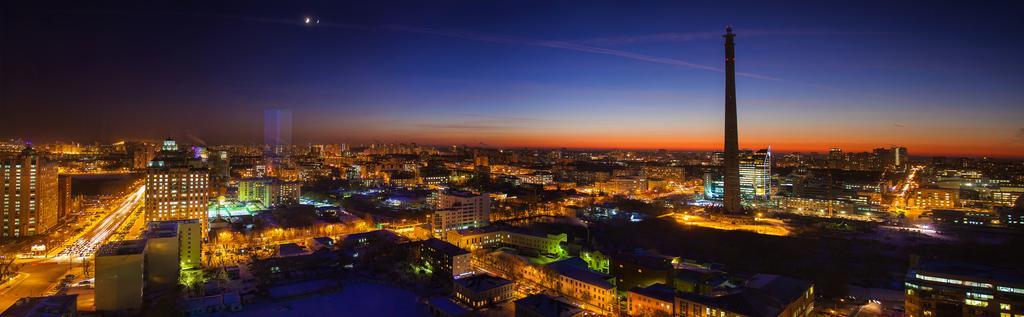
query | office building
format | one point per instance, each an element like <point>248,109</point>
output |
<point>458,210</point>
<point>961,289</point>
<point>30,194</point>
<point>177,186</point>
<point>120,281</point>
<point>756,174</point>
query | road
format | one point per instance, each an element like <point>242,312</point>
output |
<point>38,276</point>
<point>88,243</point>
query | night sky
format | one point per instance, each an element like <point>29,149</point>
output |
<point>939,79</point>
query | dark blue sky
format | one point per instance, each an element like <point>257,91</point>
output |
<point>938,78</point>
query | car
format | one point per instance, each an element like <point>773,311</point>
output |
<point>69,277</point>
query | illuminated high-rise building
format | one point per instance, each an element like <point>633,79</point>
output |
<point>756,174</point>
<point>176,186</point>
<point>731,201</point>
<point>459,210</point>
<point>30,195</point>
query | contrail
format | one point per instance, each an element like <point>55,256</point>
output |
<point>565,45</point>
<point>697,36</point>
<point>513,41</point>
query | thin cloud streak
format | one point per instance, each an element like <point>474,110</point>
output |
<point>549,44</point>
<point>697,36</point>
<point>575,47</point>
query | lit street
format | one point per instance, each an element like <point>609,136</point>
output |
<point>38,276</point>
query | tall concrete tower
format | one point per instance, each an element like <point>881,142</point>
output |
<point>731,202</point>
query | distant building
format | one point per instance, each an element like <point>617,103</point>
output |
<point>269,191</point>
<point>30,194</point>
<point>47,306</point>
<point>934,198</point>
<point>714,186</point>
<point>540,305</point>
<point>756,174</point>
<point>959,289</point>
<point>120,268</point>
<point>176,186</point>
<point>755,177</point>
<point>674,174</point>
<point>483,290</point>
<point>140,153</point>
<point>445,258</point>
<point>458,210</point>
<point>66,204</point>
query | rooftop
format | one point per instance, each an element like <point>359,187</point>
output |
<point>127,247</point>
<point>162,229</point>
<point>445,247</point>
<point>448,306</point>
<point>482,282</point>
<point>657,291</point>
<point>48,306</point>
<point>548,306</point>
<point>575,268</point>
<point>763,295</point>
<point>1014,276</point>
<point>461,193</point>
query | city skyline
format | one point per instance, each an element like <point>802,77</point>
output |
<point>813,77</point>
<point>526,158</point>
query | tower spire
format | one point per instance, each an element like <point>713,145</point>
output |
<point>731,202</point>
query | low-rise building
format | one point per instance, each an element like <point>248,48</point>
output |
<point>763,295</point>
<point>445,258</point>
<point>46,306</point>
<point>654,300</point>
<point>483,290</point>
<point>446,307</point>
<point>641,268</point>
<point>499,236</point>
<point>595,290</point>
<point>540,305</point>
